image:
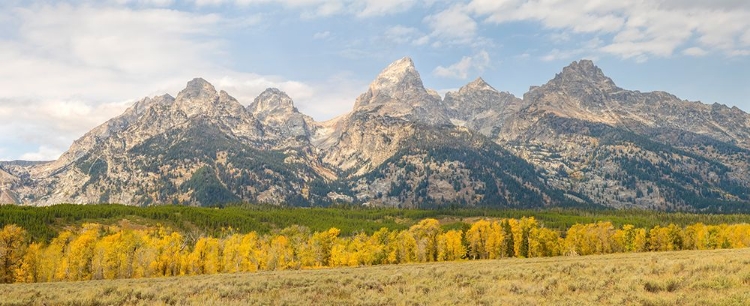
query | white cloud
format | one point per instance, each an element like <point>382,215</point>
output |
<point>694,51</point>
<point>157,3</point>
<point>325,8</point>
<point>467,64</point>
<point>210,2</point>
<point>452,25</point>
<point>322,100</point>
<point>3,157</point>
<point>632,28</point>
<point>406,35</point>
<point>118,51</point>
<point>43,153</point>
<point>70,68</point>
<point>385,7</point>
<point>53,123</point>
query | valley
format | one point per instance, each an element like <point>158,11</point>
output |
<point>719,277</point>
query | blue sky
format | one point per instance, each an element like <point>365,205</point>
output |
<point>68,66</point>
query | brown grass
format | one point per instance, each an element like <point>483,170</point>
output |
<point>719,277</point>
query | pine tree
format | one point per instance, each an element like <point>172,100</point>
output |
<point>508,239</point>
<point>524,250</point>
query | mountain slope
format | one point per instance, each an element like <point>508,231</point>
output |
<point>627,148</point>
<point>578,140</point>
<point>149,153</point>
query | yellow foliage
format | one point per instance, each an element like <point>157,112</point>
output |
<point>13,242</point>
<point>99,252</point>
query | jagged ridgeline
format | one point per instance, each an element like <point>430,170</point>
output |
<point>578,140</point>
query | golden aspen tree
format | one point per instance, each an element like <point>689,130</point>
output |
<point>128,244</point>
<point>593,238</point>
<point>279,253</point>
<point>251,252</point>
<point>658,237</point>
<point>675,237</point>
<point>494,243</point>
<point>321,244</point>
<point>713,237</point>
<point>169,252</point>
<point>104,262</point>
<point>627,238</point>
<point>54,264</point>
<point>576,241</point>
<point>81,252</point>
<point>544,242</point>
<point>406,247</point>
<point>351,250</point>
<point>695,236</point>
<point>450,246</point>
<point>28,272</point>
<point>640,240</point>
<point>477,236</point>
<point>146,254</point>
<point>603,233</point>
<point>724,242</point>
<point>425,234</point>
<point>212,263</point>
<point>517,233</point>
<point>738,235</point>
<point>299,237</point>
<point>231,257</point>
<point>339,254</point>
<point>195,260</point>
<point>363,252</point>
<point>13,243</point>
<point>379,242</point>
<point>205,257</point>
<point>264,248</point>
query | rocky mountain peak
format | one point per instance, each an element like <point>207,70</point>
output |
<point>584,72</point>
<point>480,107</point>
<point>201,98</point>
<point>399,81</point>
<point>197,88</point>
<point>398,70</point>
<point>398,92</point>
<point>271,101</point>
<point>478,84</point>
<point>275,109</point>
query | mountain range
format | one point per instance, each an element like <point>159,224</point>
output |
<point>577,141</point>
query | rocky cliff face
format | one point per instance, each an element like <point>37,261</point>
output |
<point>382,119</point>
<point>276,112</point>
<point>578,140</point>
<point>153,152</point>
<point>398,92</point>
<point>481,107</point>
<point>627,148</point>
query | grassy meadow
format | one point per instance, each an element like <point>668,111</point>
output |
<point>714,277</point>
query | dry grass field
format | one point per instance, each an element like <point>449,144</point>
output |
<point>720,277</point>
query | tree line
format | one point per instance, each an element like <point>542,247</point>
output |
<point>96,251</point>
<point>46,223</point>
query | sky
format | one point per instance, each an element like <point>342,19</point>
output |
<point>68,66</point>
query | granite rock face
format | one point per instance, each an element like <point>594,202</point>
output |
<point>276,112</point>
<point>578,140</point>
<point>398,92</point>
<point>481,107</point>
<point>627,148</point>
